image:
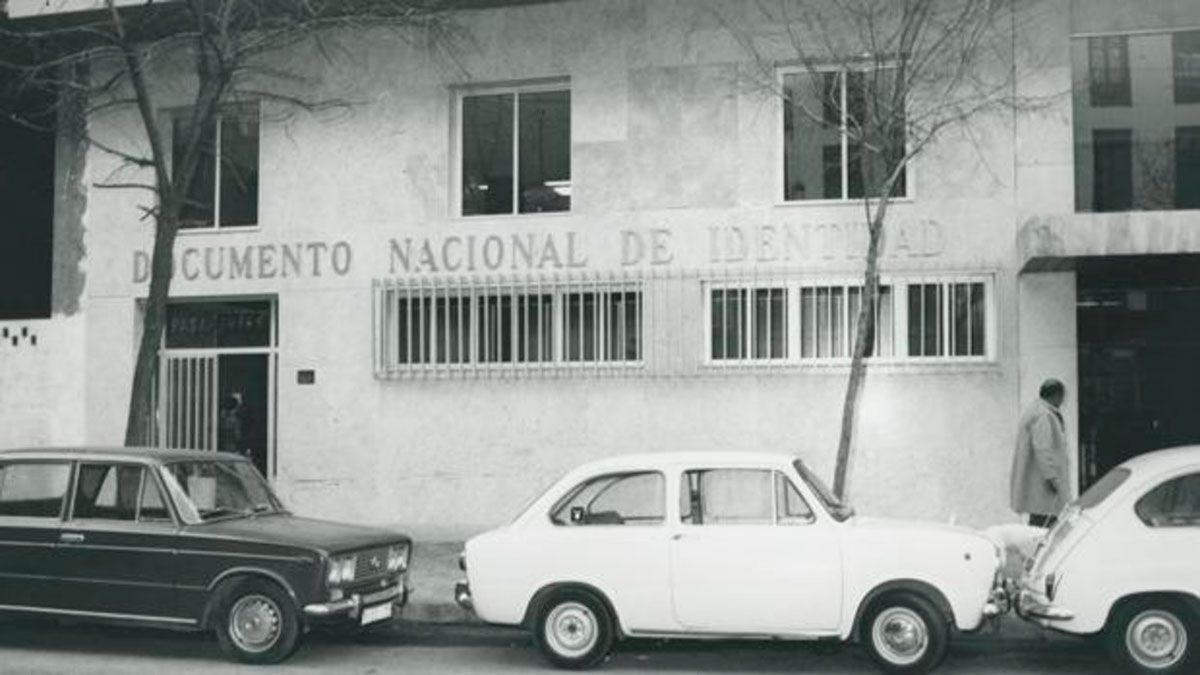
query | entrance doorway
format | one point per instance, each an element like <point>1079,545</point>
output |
<point>1138,321</point>
<point>217,379</point>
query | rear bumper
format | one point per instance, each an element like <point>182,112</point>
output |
<point>352,605</point>
<point>462,595</point>
<point>1037,608</point>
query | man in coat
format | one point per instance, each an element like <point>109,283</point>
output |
<point>1041,483</point>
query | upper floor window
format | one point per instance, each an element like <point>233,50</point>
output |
<point>1186,50</point>
<point>827,116</point>
<point>515,151</point>
<point>224,190</point>
<point>1108,70</point>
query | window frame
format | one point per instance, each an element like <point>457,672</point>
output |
<point>167,120</point>
<point>64,501</point>
<point>780,191</point>
<point>547,85</point>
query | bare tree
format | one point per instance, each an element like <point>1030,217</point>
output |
<point>104,61</point>
<point>891,76</point>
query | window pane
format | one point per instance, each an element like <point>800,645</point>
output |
<point>623,340</point>
<point>452,328</point>
<point>1112,167</point>
<point>960,323</point>
<point>624,499</point>
<point>487,149</point>
<point>545,150</point>
<point>1187,167</point>
<point>1186,48</point>
<point>808,323</point>
<point>107,492</point>
<point>978,316</point>
<point>812,149</point>
<point>218,324</point>
<point>153,507</point>
<point>925,320</point>
<point>1175,503</point>
<point>1108,70</point>
<point>885,134</point>
<point>412,335</point>
<point>239,169</point>
<point>35,490</point>
<point>770,323</point>
<point>495,341</point>
<point>198,206</point>
<point>729,306</point>
<point>790,506</point>
<point>535,328</point>
<point>736,497</point>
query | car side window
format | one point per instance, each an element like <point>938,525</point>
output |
<point>152,508</point>
<point>33,489</point>
<point>107,492</point>
<point>616,499</point>
<point>728,497</point>
<point>790,507</point>
<point>1175,503</point>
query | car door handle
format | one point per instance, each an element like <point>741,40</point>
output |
<point>71,537</point>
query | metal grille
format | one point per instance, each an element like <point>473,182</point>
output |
<point>649,323</point>
<point>370,563</point>
<point>186,402</point>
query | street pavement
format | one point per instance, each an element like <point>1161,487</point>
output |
<point>45,647</point>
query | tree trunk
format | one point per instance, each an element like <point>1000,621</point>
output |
<point>138,426</point>
<point>864,342</point>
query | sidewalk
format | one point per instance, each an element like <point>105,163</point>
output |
<point>434,571</point>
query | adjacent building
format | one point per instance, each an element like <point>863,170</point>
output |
<point>587,235</point>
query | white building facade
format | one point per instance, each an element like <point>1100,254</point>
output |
<point>589,237</point>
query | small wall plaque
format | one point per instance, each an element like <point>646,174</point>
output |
<point>306,377</point>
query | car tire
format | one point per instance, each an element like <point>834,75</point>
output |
<point>1153,636</point>
<point>905,633</point>
<point>574,629</point>
<point>256,622</point>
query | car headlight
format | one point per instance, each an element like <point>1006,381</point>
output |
<point>397,558</point>
<point>341,570</point>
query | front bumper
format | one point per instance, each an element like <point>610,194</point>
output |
<point>352,605</point>
<point>462,595</point>
<point>1036,607</point>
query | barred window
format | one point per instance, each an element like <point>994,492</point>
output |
<point>947,319</point>
<point>602,326</point>
<point>456,326</point>
<point>749,323</point>
<point>829,321</point>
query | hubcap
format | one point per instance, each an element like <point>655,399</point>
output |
<point>900,635</point>
<point>571,629</point>
<point>1156,639</point>
<point>254,623</point>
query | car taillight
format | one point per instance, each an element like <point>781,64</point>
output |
<point>1051,583</point>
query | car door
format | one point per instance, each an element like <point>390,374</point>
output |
<point>750,556</point>
<point>32,494</point>
<point>117,547</point>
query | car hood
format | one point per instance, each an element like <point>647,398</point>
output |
<point>288,530</point>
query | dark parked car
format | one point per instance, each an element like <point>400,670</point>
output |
<point>184,539</point>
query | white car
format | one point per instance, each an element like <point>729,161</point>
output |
<point>708,545</point>
<point>1124,559</point>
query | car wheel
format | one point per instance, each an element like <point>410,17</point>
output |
<point>257,622</point>
<point>1152,637</point>
<point>574,629</point>
<point>905,633</point>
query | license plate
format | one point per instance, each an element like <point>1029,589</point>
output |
<point>377,613</point>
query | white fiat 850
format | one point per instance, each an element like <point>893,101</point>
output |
<point>1124,560</point>
<point>704,545</point>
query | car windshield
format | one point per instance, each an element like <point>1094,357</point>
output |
<point>216,489</point>
<point>836,508</point>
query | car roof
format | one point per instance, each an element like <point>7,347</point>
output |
<point>116,454</point>
<point>657,460</point>
<point>1164,460</point>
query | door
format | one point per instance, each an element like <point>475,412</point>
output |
<point>31,501</point>
<point>242,423</point>
<point>750,556</point>
<point>117,548</point>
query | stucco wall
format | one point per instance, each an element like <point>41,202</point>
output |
<point>666,134</point>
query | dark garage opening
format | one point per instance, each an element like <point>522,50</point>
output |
<point>1139,357</point>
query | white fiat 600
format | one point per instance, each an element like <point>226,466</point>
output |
<point>1124,559</point>
<point>704,545</point>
